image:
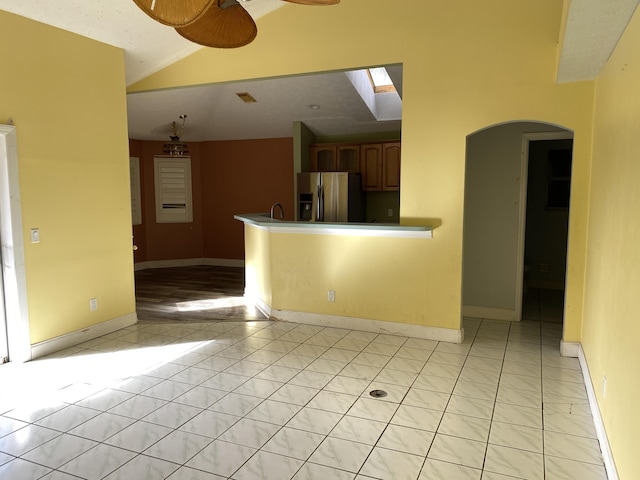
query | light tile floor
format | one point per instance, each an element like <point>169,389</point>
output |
<point>263,400</point>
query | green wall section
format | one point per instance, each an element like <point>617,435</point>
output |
<point>369,137</point>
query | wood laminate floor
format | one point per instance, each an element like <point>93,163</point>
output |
<point>193,293</point>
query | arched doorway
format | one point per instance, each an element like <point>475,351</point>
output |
<point>497,169</point>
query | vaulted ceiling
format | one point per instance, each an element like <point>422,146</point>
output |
<point>592,29</point>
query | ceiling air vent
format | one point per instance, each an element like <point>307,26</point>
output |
<point>246,97</point>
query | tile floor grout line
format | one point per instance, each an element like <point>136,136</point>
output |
<point>514,337</point>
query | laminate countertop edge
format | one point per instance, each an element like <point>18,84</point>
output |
<point>263,220</point>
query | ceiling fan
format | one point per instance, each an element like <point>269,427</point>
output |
<point>212,23</point>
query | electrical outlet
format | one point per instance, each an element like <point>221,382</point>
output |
<point>331,296</point>
<point>604,386</point>
<point>93,304</point>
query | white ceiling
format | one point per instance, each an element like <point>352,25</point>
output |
<point>148,45</point>
<point>592,32</point>
<point>214,113</point>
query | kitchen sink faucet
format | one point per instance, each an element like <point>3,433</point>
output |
<point>273,207</point>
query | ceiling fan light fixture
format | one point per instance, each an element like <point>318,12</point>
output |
<point>224,25</point>
<point>211,23</point>
<point>174,13</point>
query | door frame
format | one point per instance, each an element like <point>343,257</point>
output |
<point>13,264</point>
<point>527,138</point>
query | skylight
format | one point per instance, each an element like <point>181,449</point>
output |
<point>380,80</point>
<point>384,102</point>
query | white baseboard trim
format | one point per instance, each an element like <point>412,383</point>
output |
<point>46,347</point>
<point>569,349</point>
<point>260,304</point>
<point>605,448</point>
<point>189,262</point>
<point>223,262</point>
<point>487,312</point>
<point>367,325</point>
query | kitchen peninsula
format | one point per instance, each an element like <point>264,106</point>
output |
<point>275,225</point>
<point>343,275</point>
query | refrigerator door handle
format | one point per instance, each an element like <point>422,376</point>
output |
<point>320,209</point>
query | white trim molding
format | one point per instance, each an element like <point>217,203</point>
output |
<point>260,304</point>
<point>189,262</point>
<point>488,312</point>
<point>46,347</point>
<point>265,222</point>
<point>13,262</point>
<point>368,325</point>
<point>605,448</point>
<point>569,349</point>
<point>370,232</point>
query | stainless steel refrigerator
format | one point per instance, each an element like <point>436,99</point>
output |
<point>330,197</point>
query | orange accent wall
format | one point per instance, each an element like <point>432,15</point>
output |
<point>228,177</point>
<point>166,241</point>
<point>242,176</point>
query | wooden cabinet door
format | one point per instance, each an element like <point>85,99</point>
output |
<point>323,159</point>
<point>348,158</point>
<point>371,167</point>
<point>391,167</point>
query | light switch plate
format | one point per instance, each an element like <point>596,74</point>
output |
<point>35,235</point>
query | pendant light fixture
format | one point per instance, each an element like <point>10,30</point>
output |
<point>175,147</point>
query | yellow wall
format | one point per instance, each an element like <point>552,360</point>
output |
<point>374,278</point>
<point>65,94</point>
<point>467,65</point>
<point>611,324</point>
<point>258,264</point>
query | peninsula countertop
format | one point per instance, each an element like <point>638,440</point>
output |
<point>264,220</point>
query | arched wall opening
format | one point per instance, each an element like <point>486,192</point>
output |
<point>495,214</point>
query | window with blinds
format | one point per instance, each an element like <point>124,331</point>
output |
<point>136,198</point>
<point>173,190</point>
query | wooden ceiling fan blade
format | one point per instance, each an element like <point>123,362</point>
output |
<point>175,13</point>
<point>228,27</point>
<point>314,2</point>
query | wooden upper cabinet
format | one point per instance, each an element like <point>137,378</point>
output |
<point>371,167</point>
<point>378,163</point>
<point>390,167</point>
<point>348,158</point>
<point>323,158</point>
<point>335,158</point>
